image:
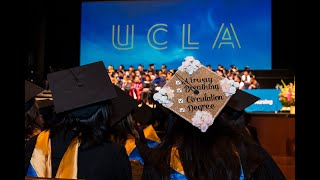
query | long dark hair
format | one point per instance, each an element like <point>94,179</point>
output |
<point>215,154</point>
<point>123,128</point>
<point>33,119</point>
<point>91,124</point>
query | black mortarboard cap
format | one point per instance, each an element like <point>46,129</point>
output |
<point>31,90</point>
<point>241,100</point>
<point>151,64</point>
<point>80,86</point>
<point>122,105</point>
<point>143,114</point>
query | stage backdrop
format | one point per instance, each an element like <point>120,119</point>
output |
<point>226,32</point>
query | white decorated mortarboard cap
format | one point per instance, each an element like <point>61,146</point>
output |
<point>198,94</point>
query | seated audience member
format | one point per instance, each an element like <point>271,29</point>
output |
<point>113,78</point>
<point>120,75</point>
<point>147,91</point>
<point>209,66</point>
<point>121,68</point>
<point>245,76</point>
<point>237,79</point>
<point>164,69</point>
<point>124,133</point>
<point>136,88</point>
<point>125,84</point>
<point>133,75</point>
<point>143,77</point>
<point>151,74</point>
<point>76,144</point>
<point>140,69</point>
<point>151,69</point>
<point>169,75</point>
<point>110,69</point>
<point>254,83</point>
<point>206,143</point>
<point>220,73</point>
<point>33,122</point>
<point>163,77</point>
<point>246,79</point>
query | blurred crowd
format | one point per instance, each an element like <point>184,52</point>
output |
<point>142,83</point>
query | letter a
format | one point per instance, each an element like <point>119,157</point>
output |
<point>227,38</point>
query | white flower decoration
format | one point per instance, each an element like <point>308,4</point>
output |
<point>202,120</point>
<point>229,87</point>
<point>164,96</point>
<point>190,64</point>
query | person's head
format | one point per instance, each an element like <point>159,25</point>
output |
<point>81,98</point>
<point>122,129</point>
<point>208,130</point>
<point>133,74</point>
<point>151,66</point>
<point>140,67</point>
<point>120,73</point>
<point>220,67</point>
<point>237,78</point>
<point>150,72</point>
<point>113,77</point>
<point>137,79</point>
<point>121,68</point>
<point>122,122</point>
<point>126,78</point>
<point>169,75</point>
<point>220,72</point>
<point>91,123</point>
<point>209,66</point>
<point>138,73</point>
<point>110,69</point>
<point>33,121</point>
<point>246,72</point>
<point>147,78</point>
<point>131,68</point>
<point>164,67</point>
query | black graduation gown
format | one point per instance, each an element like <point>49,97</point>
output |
<point>267,169</point>
<point>104,162</point>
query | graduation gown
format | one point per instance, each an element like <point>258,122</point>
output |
<point>267,169</point>
<point>135,158</point>
<point>102,162</point>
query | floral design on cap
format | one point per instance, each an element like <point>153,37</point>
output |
<point>164,96</point>
<point>202,120</point>
<point>228,86</point>
<point>190,65</point>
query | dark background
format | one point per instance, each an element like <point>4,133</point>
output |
<point>54,40</point>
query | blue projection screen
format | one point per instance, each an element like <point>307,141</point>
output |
<point>226,32</point>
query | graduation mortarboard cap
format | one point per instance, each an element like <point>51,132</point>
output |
<point>31,90</point>
<point>80,86</point>
<point>143,114</point>
<point>122,105</point>
<point>198,94</point>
